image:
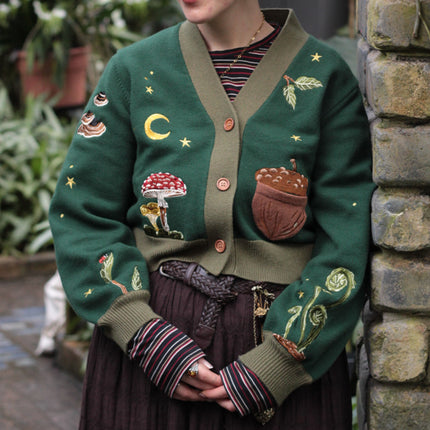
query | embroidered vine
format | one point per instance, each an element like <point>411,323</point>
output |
<point>303,83</point>
<point>338,280</point>
<point>107,262</point>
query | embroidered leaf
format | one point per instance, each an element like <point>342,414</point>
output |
<point>106,270</point>
<point>136,282</point>
<point>305,83</point>
<point>290,95</point>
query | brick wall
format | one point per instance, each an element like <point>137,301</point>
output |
<point>394,65</point>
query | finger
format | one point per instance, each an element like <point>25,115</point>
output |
<point>206,363</point>
<point>217,393</point>
<point>227,404</point>
<point>197,383</point>
<point>186,393</point>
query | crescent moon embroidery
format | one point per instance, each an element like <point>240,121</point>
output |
<point>152,134</point>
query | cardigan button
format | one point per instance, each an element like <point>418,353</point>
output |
<point>220,246</point>
<point>223,184</point>
<point>229,124</point>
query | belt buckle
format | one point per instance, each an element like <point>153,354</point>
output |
<point>160,269</point>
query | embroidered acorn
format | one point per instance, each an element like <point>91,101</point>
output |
<point>279,201</point>
<point>162,186</point>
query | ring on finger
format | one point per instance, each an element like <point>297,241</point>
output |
<point>193,370</point>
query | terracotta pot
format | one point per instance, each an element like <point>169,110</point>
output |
<point>39,80</point>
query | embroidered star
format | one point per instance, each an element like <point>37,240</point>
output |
<point>316,57</point>
<point>185,142</point>
<point>70,182</point>
<point>149,90</point>
<point>87,293</point>
<point>301,294</point>
<point>296,138</point>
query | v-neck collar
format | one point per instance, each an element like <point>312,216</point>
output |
<point>263,79</point>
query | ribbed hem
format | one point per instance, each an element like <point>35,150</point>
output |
<point>125,317</point>
<point>276,368</point>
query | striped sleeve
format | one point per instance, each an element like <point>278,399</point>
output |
<point>164,353</point>
<point>245,389</point>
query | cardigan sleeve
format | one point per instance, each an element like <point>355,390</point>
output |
<point>309,324</point>
<point>104,275</point>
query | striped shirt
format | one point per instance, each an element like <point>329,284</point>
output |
<point>239,73</point>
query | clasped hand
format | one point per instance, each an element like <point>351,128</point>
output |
<point>205,386</point>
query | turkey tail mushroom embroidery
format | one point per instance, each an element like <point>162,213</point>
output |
<point>279,201</point>
<point>161,186</point>
<point>338,280</point>
<point>90,126</point>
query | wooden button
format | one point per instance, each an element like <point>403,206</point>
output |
<point>223,184</point>
<point>229,124</point>
<point>220,246</point>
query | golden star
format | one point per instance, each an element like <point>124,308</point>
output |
<point>296,138</point>
<point>185,142</point>
<point>316,57</point>
<point>70,182</point>
<point>301,294</point>
<point>87,293</point>
<point>149,90</point>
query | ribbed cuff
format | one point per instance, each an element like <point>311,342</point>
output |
<point>164,353</point>
<point>276,368</point>
<point>245,389</point>
<point>126,315</point>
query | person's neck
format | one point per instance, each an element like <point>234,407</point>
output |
<point>234,30</point>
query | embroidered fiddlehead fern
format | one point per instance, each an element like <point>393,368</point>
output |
<point>338,280</point>
<point>317,317</point>
<point>317,292</point>
<point>296,313</point>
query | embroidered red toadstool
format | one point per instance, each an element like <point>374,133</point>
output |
<point>162,186</point>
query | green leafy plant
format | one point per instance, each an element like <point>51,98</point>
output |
<point>33,147</point>
<point>48,29</point>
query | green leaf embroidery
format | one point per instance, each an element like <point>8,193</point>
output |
<point>136,282</point>
<point>106,270</point>
<point>290,95</point>
<point>306,83</point>
<point>303,83</point>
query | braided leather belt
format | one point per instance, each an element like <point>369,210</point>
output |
<point>220,290</point>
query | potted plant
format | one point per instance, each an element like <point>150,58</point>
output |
<point>51,41</point>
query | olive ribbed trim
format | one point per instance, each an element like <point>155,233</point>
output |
<point>254,260</point>
<point>276,367</point>
<point>126,315</point>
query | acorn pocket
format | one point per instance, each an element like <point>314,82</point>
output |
<point>279,203</point>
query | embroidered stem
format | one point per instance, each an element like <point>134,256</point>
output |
<point>123,289</point>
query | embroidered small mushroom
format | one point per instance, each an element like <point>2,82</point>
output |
<point>162,186</point>
<point>152,212</point>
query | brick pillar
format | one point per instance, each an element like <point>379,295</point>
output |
<point>394,386</point>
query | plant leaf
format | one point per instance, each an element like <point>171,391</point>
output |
<point>306,83</point>
<point>136,282</point>
<point>290,95</point>
<point>106,270</point>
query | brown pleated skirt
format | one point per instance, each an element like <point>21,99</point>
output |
<point>118,396</point>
